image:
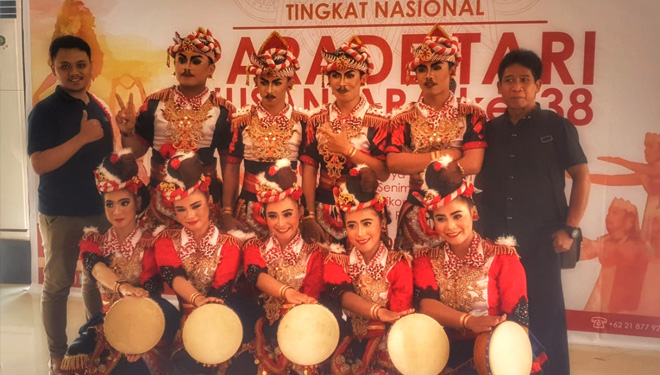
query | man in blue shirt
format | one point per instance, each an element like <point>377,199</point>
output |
<point>69,133</point>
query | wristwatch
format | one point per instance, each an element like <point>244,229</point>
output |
<point>573,232</point>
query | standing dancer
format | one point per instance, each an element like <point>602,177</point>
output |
<point>262,134</point>
<point>188,117</point>
<point>439,124</point>
<point>340,135</point>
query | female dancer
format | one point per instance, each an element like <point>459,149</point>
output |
<point>468,283</point>
<point>197,261</point>
<point>284,268</point>
<point>123,262</point>
<point>372,282</point>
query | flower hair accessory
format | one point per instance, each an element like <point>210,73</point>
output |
<point>347,202</point>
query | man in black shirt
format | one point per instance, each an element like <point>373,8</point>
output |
<point>69,133</point>
<point>523,179</point>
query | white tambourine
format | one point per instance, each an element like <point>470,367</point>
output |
<point>134,325</point>
<point>212,333</point>
<point>308,334</point>
<point>418,345</point>
<point>506,350</point>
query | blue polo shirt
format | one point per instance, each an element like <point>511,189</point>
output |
<point>69,190</point>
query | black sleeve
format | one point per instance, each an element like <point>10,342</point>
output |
<point>570,152</point>
<point>336,290</point>
<point>253,272</point>
<point>222,133</point>
<point>169,273</point>
<point>154,285</point>
<point>144,123</point>
<point>41,130</point>
<point>221,292</point>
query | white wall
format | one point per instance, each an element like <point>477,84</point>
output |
<point>14,161</point>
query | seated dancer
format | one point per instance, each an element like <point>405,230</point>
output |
<point>439,124</point>
<point>284,268</point>
<point>187,117</point>
<point>123,262</point>
<point>372,282</point>
<point>468,284</point>
<point>197,261</point>
<point>339,136</point>
<point>262,134</point>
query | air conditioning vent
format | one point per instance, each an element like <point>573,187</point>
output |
<point>7,9</point>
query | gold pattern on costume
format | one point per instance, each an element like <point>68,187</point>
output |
<point>185,127</point>
<point>428,137</point>
<point>201,269</point>
<point>286,274</point>
<point>461,291</point>
<point>271,141</point>
<point>335,162</point>
<point>126,269</point>
<point>372,291</point>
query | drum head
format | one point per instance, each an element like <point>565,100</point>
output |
<point>509,351</point>
<point>134,325</point>
<point>308,334</point>
<point>417,344</point>
<point>212,333</point>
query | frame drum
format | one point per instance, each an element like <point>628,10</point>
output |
<point>134,325</point>
<point>506,350</point>
<point>308,334</point>
<point>418,345</point>
<point>212,333</point>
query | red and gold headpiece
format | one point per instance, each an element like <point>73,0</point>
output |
<point>274,58</point>
<point>118,171</point>
<point>437,46</point>
<point>431,198</point>
<point>277,183</point>
<point>181,167</point>
<point>345,197</point>
<point>201,41</point>
<point>352,54</point>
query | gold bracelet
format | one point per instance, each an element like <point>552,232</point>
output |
<point>227,210</point>
<point>435,155</point>
<point>352,152</point>
<point>309,216</point>
<point>460,168</point>
<point>465,322</point>
<point>193,297</point>
<point>117,286</point>
<point>283,290</point>
<point>462,319</point>
<point>374,311</point>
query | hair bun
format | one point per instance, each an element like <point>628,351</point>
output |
<point>444,180</point>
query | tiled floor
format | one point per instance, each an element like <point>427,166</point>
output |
<point>23,345</point>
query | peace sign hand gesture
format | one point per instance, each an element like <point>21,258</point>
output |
<point>125,118</point>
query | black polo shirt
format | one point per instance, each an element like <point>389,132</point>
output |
<point>523,174</point>
<point>69,190</point>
